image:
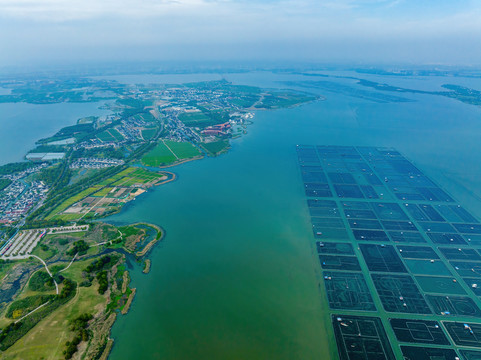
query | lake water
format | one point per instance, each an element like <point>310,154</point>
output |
<point>22,124</point>
<point>5,91</point>
<point>236,276</point>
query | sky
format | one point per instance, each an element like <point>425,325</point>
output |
<point>446,32</point>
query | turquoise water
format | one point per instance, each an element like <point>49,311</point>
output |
<point>22,124</point>
<point>236,276</point>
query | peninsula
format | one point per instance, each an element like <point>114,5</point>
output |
<point>64,273</point>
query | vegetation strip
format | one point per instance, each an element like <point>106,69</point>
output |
<point>129,302</point>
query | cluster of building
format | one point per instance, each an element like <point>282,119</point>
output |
<point>17,200</point>
<point>21,174</point>
<point>178,131</point>
<point>94,143</point>
<point>95,163</point>
<point>8,196</point>
<point>210,99</point>
<point>19,197</point>
<point>130,131</point>
<point>241,117</point>
<point>217,130</point>
<point>173,101</point>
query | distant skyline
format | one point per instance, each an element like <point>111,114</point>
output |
<point>442,32</point>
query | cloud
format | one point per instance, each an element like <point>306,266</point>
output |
<point>312,29</point>
<point>60,10</point>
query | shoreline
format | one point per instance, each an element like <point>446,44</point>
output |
<point>174,177</point>
<point>127,305</point>
<point>150,245</point>
<point>106,329</point>
<point>179,162</point>
<point>147,265</point>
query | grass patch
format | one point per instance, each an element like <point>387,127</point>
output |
<point>67,217</point>
<point>4,183</point>
<point>183,150</point>
<point>75,270</point>
<point>5,266</point>
<point>198,119</point>
<point>47,339</point>
<point>41,281</point>
<point>44,252</point>
<point>116,134</point>
<point>103,192</point>
<point>23,306</point>
<point>80,174</point>
<point>105,136</point>
<point>145,116</point>
<point>16,331</point>
<point>160,155</point>
<point>110,135</point>
<point>168,152</point>
<point>148,134</point>
<point>72,200</point>
<point>216,147</point>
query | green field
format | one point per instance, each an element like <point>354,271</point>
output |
<point>197,119</point>
<point>116,177</point>
<point>168,152</point>
<point>4,183</point>
<point>126,178</point>
<point>105,136</point>
<point>216,147</point>
<point>110,135</point>
<point>147,116</point>
<point>103,192</point>
<point>139,176</point>
<point>67,217</point>
<point>245,101</point>
<point>72,200</point>
<point>81,174</point>
<point>183,150</point>
<point>148,134</point>
<point>118,136</point>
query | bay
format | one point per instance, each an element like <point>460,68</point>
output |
<point>237,276</point>
<point>22,124</point>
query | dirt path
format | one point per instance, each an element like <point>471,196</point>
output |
<point>167,146</point>
<point>70,263</point>
<point>259,101</point>
<point>31,312</point>
<point>90,209</point>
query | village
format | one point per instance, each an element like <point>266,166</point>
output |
<point>17,199</point>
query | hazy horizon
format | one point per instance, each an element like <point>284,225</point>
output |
<point>365,31</point>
